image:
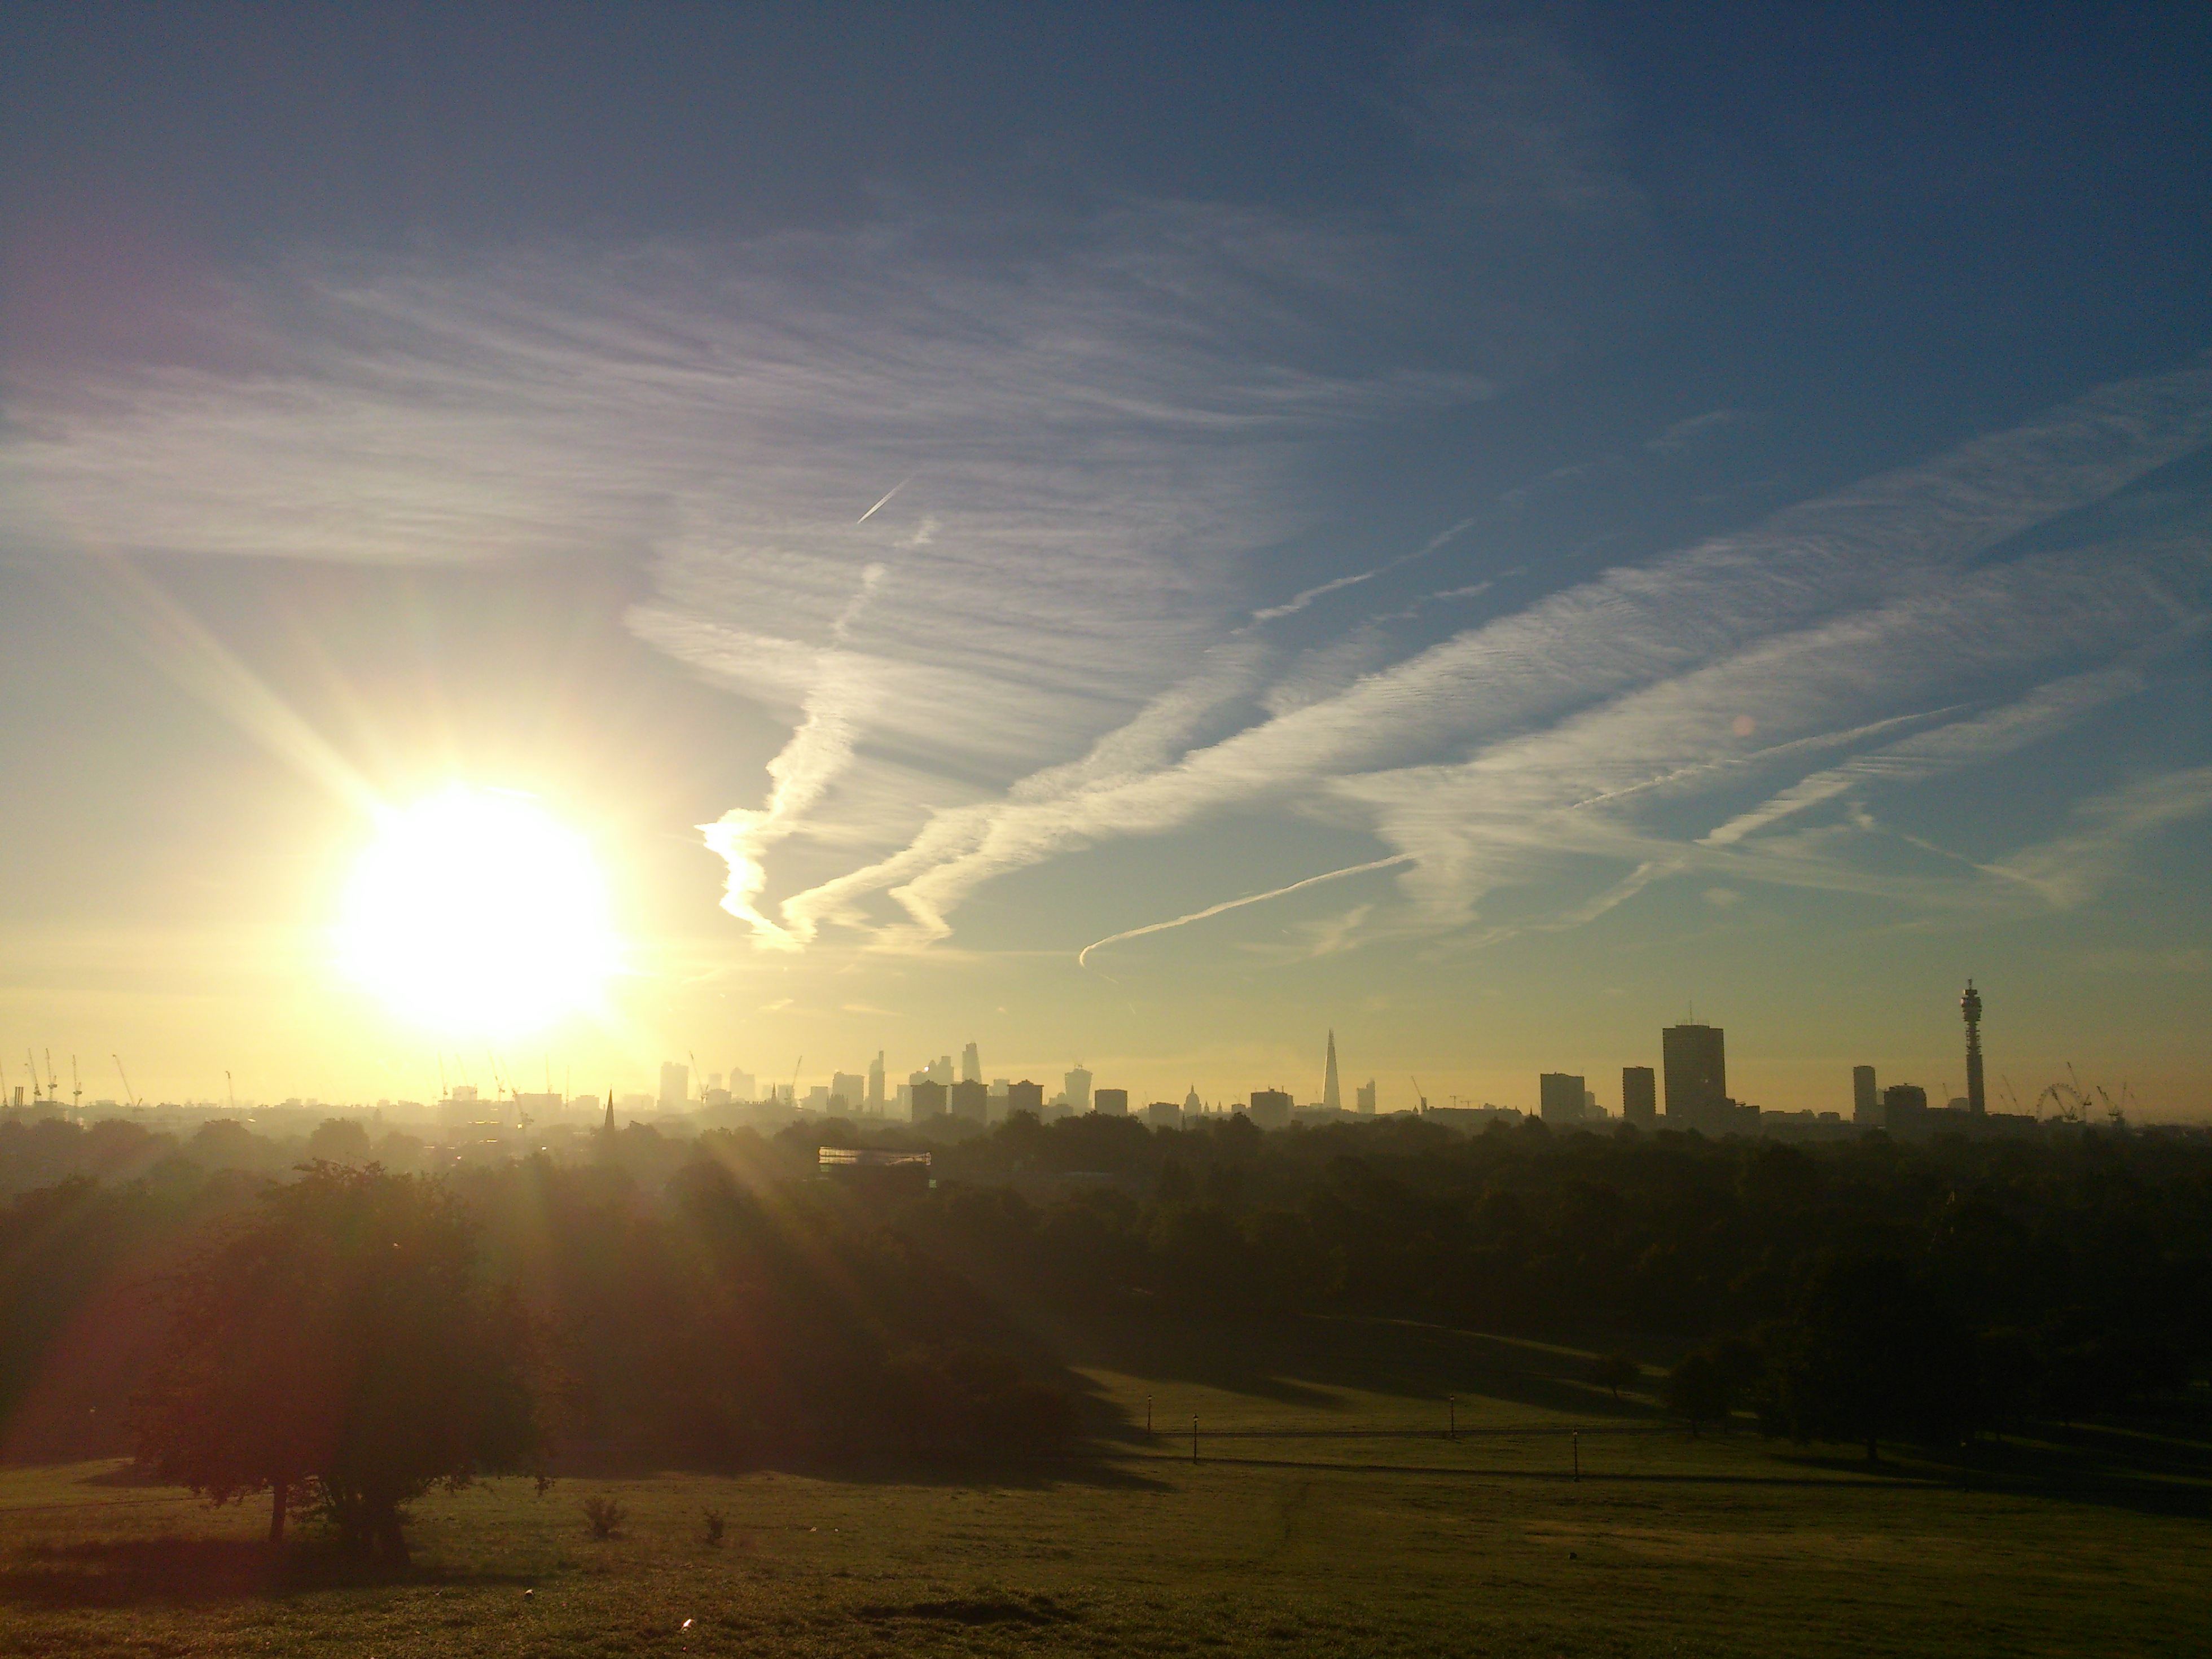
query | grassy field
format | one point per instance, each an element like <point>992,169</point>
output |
<point>1327,1513</point>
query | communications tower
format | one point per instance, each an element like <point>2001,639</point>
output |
<point>1970,1006</point>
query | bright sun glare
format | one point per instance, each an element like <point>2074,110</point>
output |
<point>476,912</point>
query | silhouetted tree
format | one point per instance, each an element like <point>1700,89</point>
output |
<point>1698,1391</point>
<point>337,1345</point>
<point>339,1140</point>
<point>1872,1353</point>
<point>1615,1371</point>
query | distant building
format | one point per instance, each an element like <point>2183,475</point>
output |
<point>969,1099</point>
<point>742,1085</point>
<point>1077,1085</point>
<point>1112,1102</point>
<point>1365,1095</point>
<point>1163,1115</point>
<point>874,1172</point>
<point>876,1085</point>
<point>1639,1095</point>
<point>1025,1096</point>
<point>817,1097</point>
<point>929,1100</point>
<point>1696,1061</point>
<point>846,1091</point>
<point>1331,1098</point>
<point>1866,1104</point>
<point>1270,1108</point>
<point>1192,1105</point>
<point>1903,1108</point>
<point>1560,1097</point>
<point>675,1086</point>
<point>1969,1007</point>
<point>971,1065</point>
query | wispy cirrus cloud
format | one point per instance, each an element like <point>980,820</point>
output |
<point>1858,609</point>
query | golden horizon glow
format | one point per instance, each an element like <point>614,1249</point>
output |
<point>477,913</point>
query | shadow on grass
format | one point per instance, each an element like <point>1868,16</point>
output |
<point>1306,1362</point>
<point>111,1574</point>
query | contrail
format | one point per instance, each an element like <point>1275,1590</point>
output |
<point>888,493</point>
<point>1235,903</point>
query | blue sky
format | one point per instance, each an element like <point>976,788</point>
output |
<point>1137,538</point>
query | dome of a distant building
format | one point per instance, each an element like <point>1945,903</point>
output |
<point>1191,1103</point>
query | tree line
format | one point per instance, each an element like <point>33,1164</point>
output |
<point>709,1301</point>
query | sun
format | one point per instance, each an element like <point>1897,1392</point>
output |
<point>476,912</point>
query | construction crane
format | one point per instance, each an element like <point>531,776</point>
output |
<point>229,1088</point>
<point>1423,1098</point>
<point>129,1098</point>
<point>2117,1111</point>
<point>77,1087</point>
<point>31,1064</point>
<point>53,1079</point>
<point>793,1100</point>
<point>697,1087</point>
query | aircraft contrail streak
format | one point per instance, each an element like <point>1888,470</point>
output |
<point>1235,903</point>
<point>888,493</point>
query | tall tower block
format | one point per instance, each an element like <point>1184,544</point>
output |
<point>1331,1096</point>
<point>1970,1006</point>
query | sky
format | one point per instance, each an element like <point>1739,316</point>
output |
<point>1135,536</point>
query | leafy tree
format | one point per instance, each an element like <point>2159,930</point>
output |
<point>1871,1354</point>
<point>338,1346</point>
<point>339,1140</point>
<point>1698,1391</point>
<point>1615,1371</point>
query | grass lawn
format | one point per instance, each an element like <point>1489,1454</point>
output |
<point>1328,1513</point>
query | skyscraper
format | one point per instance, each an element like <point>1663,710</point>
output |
<point>1365,1096</point>
<point>1639,1095</point>
<point>1969,1006</point>
<point>1866,1101</point>
<point>1331,1099</point>
<point>1696,1061</point>
<point>1077,1085</point>
<point>674,1086</point>
<point>876,1086</point>
<point>971,1065</point>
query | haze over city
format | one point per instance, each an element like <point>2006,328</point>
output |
<point>1136,541</point>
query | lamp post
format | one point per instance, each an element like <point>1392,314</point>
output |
<point>1577,1439</point>
<point>1148,1417</point>
<point>1194,1440</point>
<point>1451,1416</point>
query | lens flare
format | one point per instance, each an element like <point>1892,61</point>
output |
<point>477,913</point>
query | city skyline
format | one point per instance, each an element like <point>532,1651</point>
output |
<point>1469,530</point>
<point>1696,1093</point>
